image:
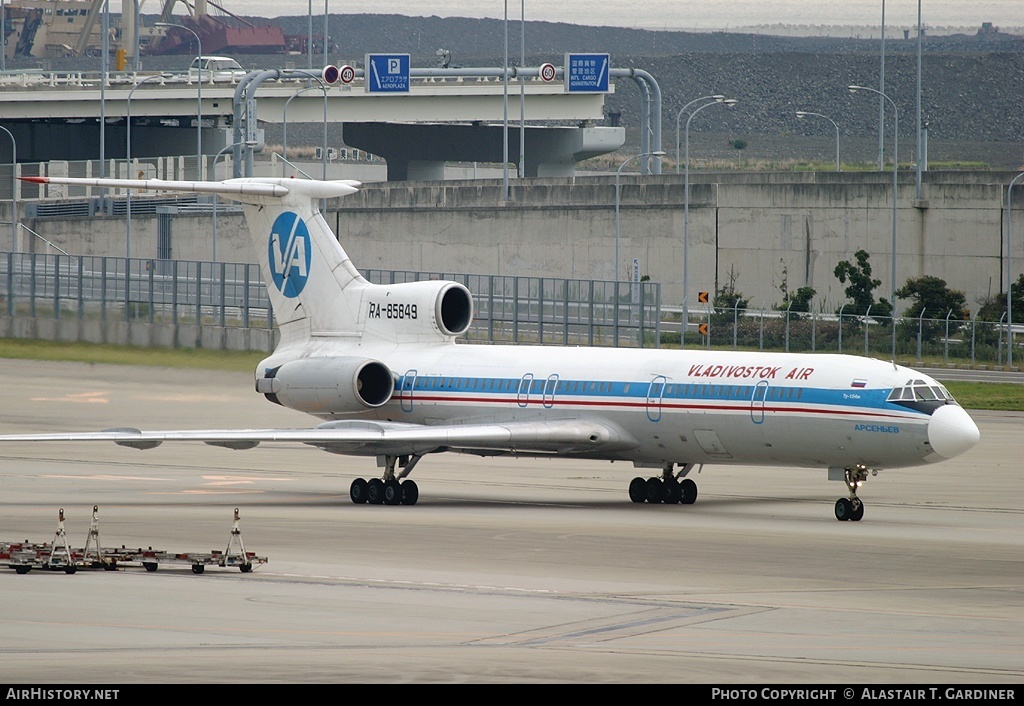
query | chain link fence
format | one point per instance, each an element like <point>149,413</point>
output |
<point>947,341</point>
<point>232,295</point>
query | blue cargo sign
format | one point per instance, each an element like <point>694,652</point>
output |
<point>586,73</point>
<point>387,73</point>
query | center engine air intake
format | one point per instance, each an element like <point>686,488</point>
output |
<point>418,311</point>
<point>327,386</point>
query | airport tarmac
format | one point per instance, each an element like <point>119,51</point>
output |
<point>505,571</point>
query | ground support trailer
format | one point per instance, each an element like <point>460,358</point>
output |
<point>59,556</point>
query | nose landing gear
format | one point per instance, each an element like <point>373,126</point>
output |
<point>852,508</point>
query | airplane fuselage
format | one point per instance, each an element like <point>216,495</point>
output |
<point>677,406</point>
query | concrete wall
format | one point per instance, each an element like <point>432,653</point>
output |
<point>137,333</point>
<point>761,228</point>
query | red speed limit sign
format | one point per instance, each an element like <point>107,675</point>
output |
<point>547,72</point>
<point>346,74</point>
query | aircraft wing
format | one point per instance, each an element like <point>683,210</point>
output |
<point>370,438</point>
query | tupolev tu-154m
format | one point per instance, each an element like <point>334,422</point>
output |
<point>379,366</point>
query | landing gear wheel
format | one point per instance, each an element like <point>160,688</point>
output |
<point>858,511</point>
<point>844,509</point>
<point>672,493</point>
<point>638,490</point>
<point>852,508</point>
<point>410,492</point>
<point>358,491</point>
<point>392,493</point>
<point>689,491</point>
<point>655,488</point>
<point>375,491</point>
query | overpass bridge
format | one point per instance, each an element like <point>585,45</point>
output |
<point>443,118</point>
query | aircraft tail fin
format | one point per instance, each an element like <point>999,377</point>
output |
<point>315,289</point>
<point>308,275</point>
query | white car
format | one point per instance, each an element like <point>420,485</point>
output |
<point>216,68</point>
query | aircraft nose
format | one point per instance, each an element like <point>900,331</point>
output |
<point>951,431</point>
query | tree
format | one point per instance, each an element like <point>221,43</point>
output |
<point>795,303</point>
<point>861,287</point>
<point>728,300</point>
<point>934,298</point>
<point>935,301</point>
<point>994,308</point>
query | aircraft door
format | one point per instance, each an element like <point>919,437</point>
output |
<point>523,397</point>
<point>405,392</point>
<point>549,390</point>
<point>655,392</point>
<point>757,398</point>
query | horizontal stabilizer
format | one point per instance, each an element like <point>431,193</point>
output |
<point>273,187</point>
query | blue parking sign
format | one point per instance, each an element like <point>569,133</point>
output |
<point>587,73</point>
<point>387,73</point>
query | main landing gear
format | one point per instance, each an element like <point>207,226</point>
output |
<point>852,508</point>
<point>389,490</point>
<point>669,489</point>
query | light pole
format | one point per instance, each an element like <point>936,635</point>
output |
<point>679,116</point>
<point>618,172</point>
<point>128,164</point>
<point>284,118</point>
<point>1009,272</point>
<point>805,113</point>
<point>522,89</point>
<point>881,99</point>
<point>918,151</point>
<point>504,122</point>
<point>218,155</point>
<point>14,190</point>
<point>199,107</point>
<point>728,103</point>
<point>895,165</point>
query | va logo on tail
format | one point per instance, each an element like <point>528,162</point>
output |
<point>289,254</point>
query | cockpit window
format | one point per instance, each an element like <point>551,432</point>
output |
<point>920,391</point>
<point>924,393</point>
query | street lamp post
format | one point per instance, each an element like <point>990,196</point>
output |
<point>199,106</point>
<point>309,39</point>
<point>729,103</point>
<point>128,164</point>
<point>895,165</point>
<point>1009,271</point>
<point>618,172</point>
<point>805,113</point>
<point>14,190</point>
<point>284,119</point>
<point>679,116</point>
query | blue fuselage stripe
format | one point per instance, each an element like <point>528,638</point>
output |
<point>592,393</point>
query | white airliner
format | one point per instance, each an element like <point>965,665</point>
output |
<point>380,366</point>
